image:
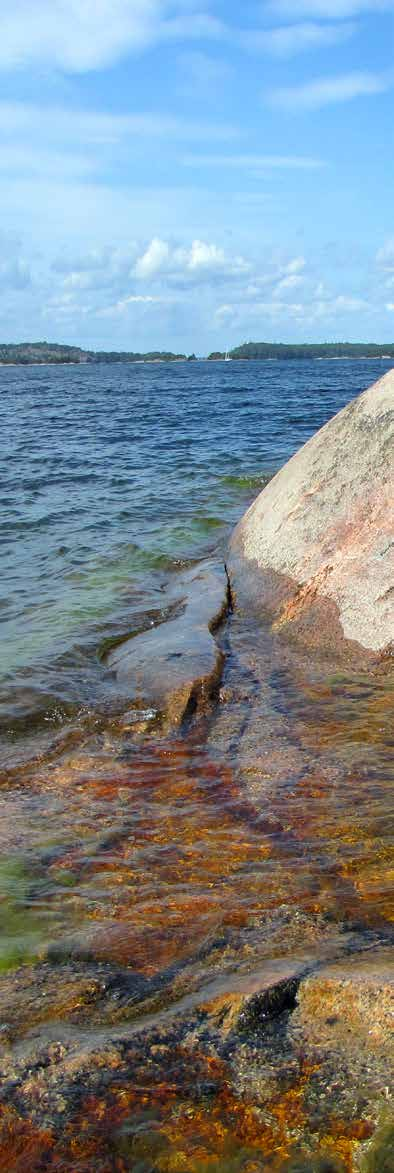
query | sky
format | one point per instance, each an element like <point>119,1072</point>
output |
<point>191,174</point>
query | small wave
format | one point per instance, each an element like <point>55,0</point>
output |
<point>247,482</point>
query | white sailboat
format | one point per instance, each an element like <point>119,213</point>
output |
<point>227,356</point>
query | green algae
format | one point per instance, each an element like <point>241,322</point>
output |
<point>378,1157</point>
<point>318,1164</point>
<point>23,929</point>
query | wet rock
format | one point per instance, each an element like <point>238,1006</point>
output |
<point>231,1078</point>
<point>343,1024</point>
<point>243,1003</point>
<point>349,1006</point>
<point>36,994</point>
<point>315,551</point>
<point>176,667</point>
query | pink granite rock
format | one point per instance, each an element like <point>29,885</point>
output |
<point>315,551</point>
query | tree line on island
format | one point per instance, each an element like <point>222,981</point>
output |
<point>282,350</point>
<point>30,353</point>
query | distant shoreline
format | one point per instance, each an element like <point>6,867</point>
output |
<point>44,354</point>
<point>148,362</point>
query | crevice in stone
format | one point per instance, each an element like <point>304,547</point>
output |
<point>230,596</point>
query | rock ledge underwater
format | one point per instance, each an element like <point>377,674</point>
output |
<point>176,667</point>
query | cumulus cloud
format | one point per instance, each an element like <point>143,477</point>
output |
<point>107,292</point>
<point>288,292</point>
<point>197,263</point>
<point>15,271</point>
<point>153,260</point>
<point>125,303</point>
<point>325,91</point>
<point>14,274</point>
<point>385,256</point>
<point>290,282</point>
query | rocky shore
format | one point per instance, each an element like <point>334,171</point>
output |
<point>211,987</point>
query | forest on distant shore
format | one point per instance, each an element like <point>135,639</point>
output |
<point>29,353</point>
<point>282,350</point>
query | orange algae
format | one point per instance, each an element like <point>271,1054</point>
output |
<point>159,856</point>
<point>22,1146</point>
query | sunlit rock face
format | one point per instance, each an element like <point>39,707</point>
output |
<point>315,551</point>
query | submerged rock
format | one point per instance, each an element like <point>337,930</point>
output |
<point>176,667</point>
<point>347,1007</point>
<point>315,551</point>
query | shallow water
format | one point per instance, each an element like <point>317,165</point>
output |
<point>145,880</point>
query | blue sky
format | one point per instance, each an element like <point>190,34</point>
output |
<point>194,173</point>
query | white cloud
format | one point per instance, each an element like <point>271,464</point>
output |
<point>288,40</point>
<point>177,263</point>
<point>208,257</point>
<point>256,162</point>
<point>296,265</point>
<point>124,304</point>
<point>325,91</point>
<point>46,147</point>
<point>390,306</point>
<point>350,304</point>
<point>225,313</point>
<point>290,282</point>
<point>81,35</point>
<point>327,9</point>
<point>77,36</point>
<point>153,260</point>
<point>271,297</point>
<point>83,128</point>
<point>385,256</point>
<point>14,274</point>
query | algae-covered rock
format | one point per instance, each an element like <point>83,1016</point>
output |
<point>315,551</point>
<point>343,1025</point>
<point>349,1005</point>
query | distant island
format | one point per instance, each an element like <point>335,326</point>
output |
<point>32,353</point>
<point>268,350</point>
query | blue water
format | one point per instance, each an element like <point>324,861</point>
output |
<point>111,477</point>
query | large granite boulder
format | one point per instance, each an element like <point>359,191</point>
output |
<point>315,551</point>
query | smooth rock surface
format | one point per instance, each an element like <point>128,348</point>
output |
<point>315,551</point>
<point>177,666</point>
